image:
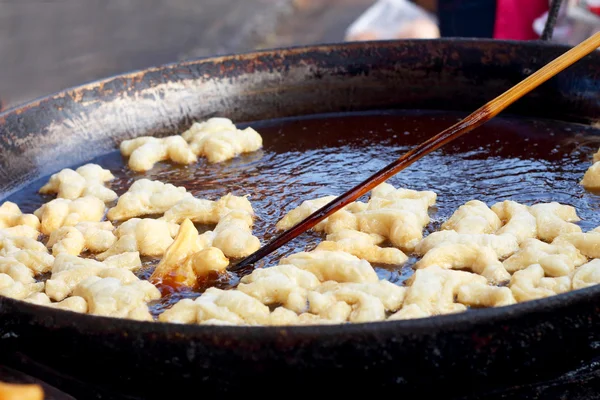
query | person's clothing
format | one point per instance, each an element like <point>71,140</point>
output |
<point>498,19</point>
<point>466,18</point>
<point>514,18</point>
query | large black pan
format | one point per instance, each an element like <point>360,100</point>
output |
<point>456,355</point>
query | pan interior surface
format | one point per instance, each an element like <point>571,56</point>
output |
<point>509,158</point>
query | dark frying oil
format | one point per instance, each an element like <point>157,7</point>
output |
<point>304,158</point>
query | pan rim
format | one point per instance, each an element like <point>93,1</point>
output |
<point>282,51</point>
<point>47,316</point>
<point>42,315</point>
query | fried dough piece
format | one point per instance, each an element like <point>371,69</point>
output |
<point>87,180</point>
<point>517,219</point>
<point>149,237</point>
<point>282,284</point>
<point>586,275</point>
<point>219,306</point>
<point>333,266</point>
<point>63,212</point>
<point>68,271</point>
<point>186,260</point>
<point>206,211</point>
<point>364,246</point>
<point>93,236</point>
<point>74,303</point>
<point>503,245</point>
<point>218,139</point>
<point>530,284</point>
<point>433,291</point>
<point>146,197</point>
<point>145,151</point>
<point>12,217</point>
<point>554,219</point>
<point>114,298</point>
<point>473,217</point>
<point>557,259</point>
<point>587,243</point>
<point>480,260</point>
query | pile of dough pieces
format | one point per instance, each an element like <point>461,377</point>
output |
<point>88,242</point>
<point>481,257</point>
<point>90,262</point>
<point>217,139</point>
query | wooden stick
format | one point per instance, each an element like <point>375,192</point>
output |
<point>474,120</point>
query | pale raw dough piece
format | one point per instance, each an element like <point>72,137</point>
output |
<point>412,201</point>
<point>68,271</point>
<point>333,266</point>
<point>480,295</point>
<point>66,240</point>
<point>29,252</point>
<point>473,217</point>
<point>75,303</point>
<point>18,290</point>
<point>10,245</point>
<point>183,312</point>
<point>530,284</point>
<point>219,306</point>
<point>591,178</point>
<point>93,236</point>
<point>64,212</point>
<point>346,304</point>
<point>503,245</point>
<point>145,151</point>
<point>364,246</point>
<point>282,316</point>
<point>518,221</point>
<point>113,298</point>
<point>389,192</point>
<point>480,260</point>
<point>403,228</point>
<point>391,295</point>
<point>587,243</point>
<point>20,231</point>
<point>186,260</point>
<point>282,284</point>
<point>433,290</point>
<point>17,270</point>
<point>130,261</point>
<point>557,259</point>
<point>219,140</point>
<point>206,211</point>
<point>587,275</point>
<point>233,235</point>
<point>343,219</point>
<point>409,311</point>
<point>397,214</point>
<point>87,180</point>
<point>11,216</point>
<point>146,197</point>
<point>554,219</point>
<point>98,236</point>
<point>149,237</point>
<point>211,125</point>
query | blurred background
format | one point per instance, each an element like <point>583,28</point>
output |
<point>49,45</point>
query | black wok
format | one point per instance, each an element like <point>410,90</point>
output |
<point>456,355</point>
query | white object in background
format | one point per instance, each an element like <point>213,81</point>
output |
<point>562,28</point>
<point>575,22</point>
<point>393,19</point>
